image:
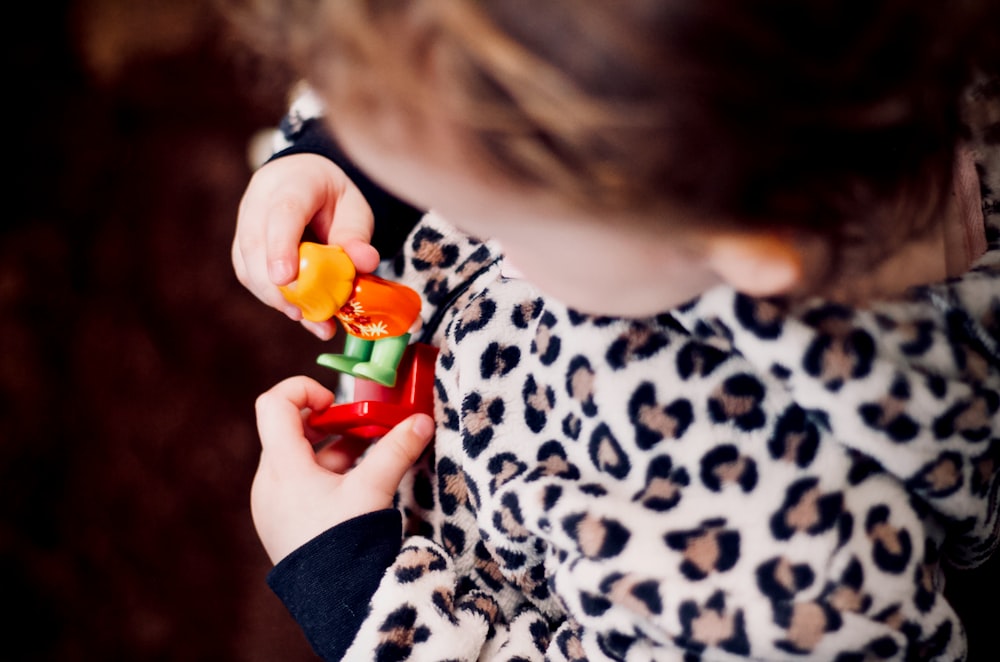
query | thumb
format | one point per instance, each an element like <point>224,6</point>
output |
<point>383,467</point>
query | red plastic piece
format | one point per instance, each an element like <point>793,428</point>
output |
<point>376,409</point>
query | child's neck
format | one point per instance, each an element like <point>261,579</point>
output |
<point>948,248</point>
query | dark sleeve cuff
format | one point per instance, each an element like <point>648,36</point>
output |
<point>327,584</point>
<point>394,218</point>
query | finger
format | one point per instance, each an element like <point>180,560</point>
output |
<point>286,220</point>
<point>248,251</point>
<point>279,416</point>
<point>390,458</point>
<point>322,330</point>
<point>350,227</point>
<point>340,456</point>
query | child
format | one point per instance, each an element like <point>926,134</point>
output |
<point>714,380</point>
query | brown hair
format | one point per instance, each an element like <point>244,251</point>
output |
<point>818,116</point>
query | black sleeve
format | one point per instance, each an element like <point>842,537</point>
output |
<point>394,218</point>
<point>328,583</point>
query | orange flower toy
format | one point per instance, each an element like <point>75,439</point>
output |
<point>377,314</point>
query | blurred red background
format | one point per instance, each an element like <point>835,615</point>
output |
<point>130,356</point>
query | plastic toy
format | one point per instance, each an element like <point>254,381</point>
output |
<point>394,378</point>
<point>376,408</point>
<point>376,313</point>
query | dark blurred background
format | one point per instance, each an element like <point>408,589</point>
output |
<point>130,356</point>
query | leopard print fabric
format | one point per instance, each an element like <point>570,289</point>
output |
<point>725,482</point>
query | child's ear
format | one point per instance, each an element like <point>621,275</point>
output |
<point>758,265</point>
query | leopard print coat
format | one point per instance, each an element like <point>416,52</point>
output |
<point>723,482</point>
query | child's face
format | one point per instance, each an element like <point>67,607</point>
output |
<point>605,266</point>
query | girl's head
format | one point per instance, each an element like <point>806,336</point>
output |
<point>662,145</point>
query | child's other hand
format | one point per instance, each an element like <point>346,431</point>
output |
<point>297,493</point>
<point>282,199</point>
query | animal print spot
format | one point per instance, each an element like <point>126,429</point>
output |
<point>699,359</point>
<point>594,605</point>
<point>596,537</point>
<point>475,263</point>
<point>780,579</point>
<point>482,604</point>
<point>780,371</point>
<point>738,400</point>
<point>479,417</point>
<point>546,344</point>
<point>539,631</point>
<point>889,415</point>
<point>607,454</point>
<point>508,519</point>
<point>664,485</point>
<point>712,625</point>
<point>715,331</point>
<point>580,384</point>
<point>453,539</point>
<point>915,337</point>
<point>847,596</point>
<point>474,317</point>
<point>806,509</point>
<point>654,422</point>
<point>398,634</point>
<point>926,580</point>
<point>862,467</point>
<point>553,462</point>
<point>538,403</point>
<point>971,419</point>
<point>892,546</point>
<point>524,313</point>
<point>497,361</point>
<point>939,478</point>
<point>761,317</point>
<point>504,467</point>
<point>572,426</point>
<point>795,438</point>
<point>639,596</point>
<point>570,645</point>
<point>551,496</point>
<point>430,251</point>
<point>455,488</point>
<point>443,600</point>
<point>414,562</point>
<point>487,568</point>
<point>840,351</point>
<point>724,465</point>
<point>805,624</point>
<point>437,290</point>
<point>511,558</point>
<point>639,341</point>
<point>707,549</point>
<point>615,644</point>
<point>533,581</point>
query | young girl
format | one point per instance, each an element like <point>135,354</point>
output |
<point>716,380</point>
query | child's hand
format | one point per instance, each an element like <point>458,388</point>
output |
<point>298,494</point>
<point>283,198</point>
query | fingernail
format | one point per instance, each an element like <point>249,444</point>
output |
<point>281,271</point>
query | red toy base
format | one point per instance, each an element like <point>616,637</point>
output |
<point>377,409</point>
